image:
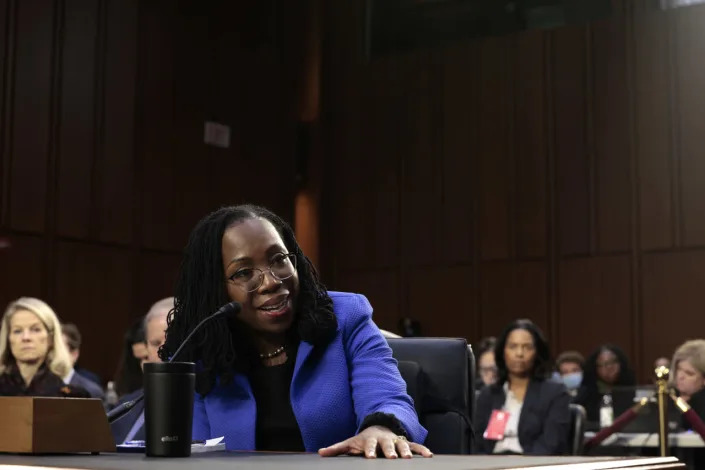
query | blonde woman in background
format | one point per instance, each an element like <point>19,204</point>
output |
<point>33,355</point>
<point>688,374</point>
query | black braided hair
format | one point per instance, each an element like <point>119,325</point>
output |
<point>220,348</point>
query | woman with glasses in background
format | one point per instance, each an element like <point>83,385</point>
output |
<point>486,365</point>
<point>607,378</point>
<point>300,368</point>
<point>33,356</point>
<point>524,412</point>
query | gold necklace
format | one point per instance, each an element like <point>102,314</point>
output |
<point>272,354</point>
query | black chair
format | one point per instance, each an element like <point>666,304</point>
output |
<point>439,374</point>
<point>576,438</point>
<point>472,387</point>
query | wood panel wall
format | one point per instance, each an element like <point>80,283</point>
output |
<point>104,170</point>
<point>556,175</point>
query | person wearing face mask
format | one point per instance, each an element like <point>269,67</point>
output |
<point>569,366</point>
<point>33,356</point>
<point>300,368</point>
<point>523,412</point>
<point>688,375</point>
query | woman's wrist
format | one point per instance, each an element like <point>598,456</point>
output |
<point>386,420</point>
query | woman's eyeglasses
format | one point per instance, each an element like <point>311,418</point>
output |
<point>283,266</point>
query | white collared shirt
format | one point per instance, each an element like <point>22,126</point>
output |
<point>513,406</point>
<point>69,376</point>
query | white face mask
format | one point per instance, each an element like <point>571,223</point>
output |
<point>573,380</point>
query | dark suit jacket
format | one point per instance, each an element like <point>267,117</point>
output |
<point>544,424</point>
<point>92,376</point>
<point>122,426</point>
<point>697,403</point>
<point>93,388</point>
<point>43,384</point>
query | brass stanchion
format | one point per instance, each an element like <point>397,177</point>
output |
<point>662,394</point>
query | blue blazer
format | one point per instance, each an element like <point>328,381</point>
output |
<point>544,423</point>
<point>334,387</point>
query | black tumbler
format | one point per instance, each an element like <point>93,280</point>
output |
<point>168,408</point>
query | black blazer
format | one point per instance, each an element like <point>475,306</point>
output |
<point>92,376</point>
<point>93,388</point>
<point>697,403</point>
<point>122,426</point>
<point>544,423</point>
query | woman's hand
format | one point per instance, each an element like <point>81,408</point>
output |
<point>376,438</point>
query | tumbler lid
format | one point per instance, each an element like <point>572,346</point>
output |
<point>169,368</point>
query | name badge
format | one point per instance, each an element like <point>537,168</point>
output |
<point>497,425</point>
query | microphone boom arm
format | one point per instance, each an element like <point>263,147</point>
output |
<point>229,309</point>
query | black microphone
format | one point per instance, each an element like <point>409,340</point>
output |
<point>228,310</point>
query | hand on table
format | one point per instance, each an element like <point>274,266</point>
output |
<point>375,438</point>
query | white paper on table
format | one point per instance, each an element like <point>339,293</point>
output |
<point>211,445</point>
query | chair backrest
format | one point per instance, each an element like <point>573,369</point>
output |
<point>576,437</point>
<point>472,377</point>
<point>438,374</point>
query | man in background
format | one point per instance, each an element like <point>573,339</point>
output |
<point>663,362</point>
<point>131,426</point>
<point>72,338</point>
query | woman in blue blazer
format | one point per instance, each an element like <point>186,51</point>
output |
<point>535,410</point>
<point>300,368</point>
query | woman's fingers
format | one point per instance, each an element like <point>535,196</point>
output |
<point>391,446</point>
<point>371,448</point>
<point>388,447</point>
<point>403,449</point>
<point>419,449</point>
<point>342,447</point>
